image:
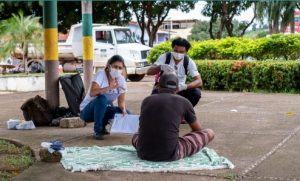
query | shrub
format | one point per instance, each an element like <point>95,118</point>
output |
<point>275,47</point>
<point>158,50</point>
<point>271,76</point>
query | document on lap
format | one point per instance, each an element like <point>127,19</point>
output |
<point>127,124</point>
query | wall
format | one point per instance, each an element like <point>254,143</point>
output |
<point>22,84</point>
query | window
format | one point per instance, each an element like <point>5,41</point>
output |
<point>176,26</point>
<point>124,36</point>
<point>104,37</point>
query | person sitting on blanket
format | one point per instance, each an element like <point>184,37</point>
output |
<point>158,136</point>
<point>107,86</point>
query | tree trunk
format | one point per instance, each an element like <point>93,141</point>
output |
<point>25,57</point>
<point>143,36</point>
<point>292,25</point>
<point>252,20</point>
<point>210,30</point>
<point>270,28</point>
<point>276,26</point>
<point>219,33</point>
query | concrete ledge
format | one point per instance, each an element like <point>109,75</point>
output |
<point>22,84</point>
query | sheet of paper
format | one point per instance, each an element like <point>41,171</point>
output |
<point>128,124</point>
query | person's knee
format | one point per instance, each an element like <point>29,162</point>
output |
<point>101,99</point>
<point>211,134</point>
<point>197,93</point>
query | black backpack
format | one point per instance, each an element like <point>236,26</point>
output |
<point>73,88</point>
<point>38,110</point>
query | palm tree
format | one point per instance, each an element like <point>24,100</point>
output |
<point>20,32</point>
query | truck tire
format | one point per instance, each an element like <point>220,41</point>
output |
<point>136,77</point>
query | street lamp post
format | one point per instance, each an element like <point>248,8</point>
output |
<point>51,53</point>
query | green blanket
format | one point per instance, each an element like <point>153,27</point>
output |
<point>124,158</point>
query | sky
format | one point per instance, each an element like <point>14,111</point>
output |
<point>196,13</point>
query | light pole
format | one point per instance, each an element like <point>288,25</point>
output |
<point>87,42</point>
<point>51,53</point>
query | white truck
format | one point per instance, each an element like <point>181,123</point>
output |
<point>108,41</point>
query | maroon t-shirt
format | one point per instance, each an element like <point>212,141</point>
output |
<point>160,119</point>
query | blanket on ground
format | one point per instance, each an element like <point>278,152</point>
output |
<point>124,158</point>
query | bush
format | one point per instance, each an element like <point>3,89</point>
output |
<point>158,50</point>
<point>271,76</point>
<point>275,47</point>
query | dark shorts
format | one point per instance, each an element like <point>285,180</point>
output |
<point>189,144</point>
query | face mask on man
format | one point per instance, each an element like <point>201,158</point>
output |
<point>115,73</point>
<point>178,56</point>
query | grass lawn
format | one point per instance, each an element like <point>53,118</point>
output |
<point>13,159</point>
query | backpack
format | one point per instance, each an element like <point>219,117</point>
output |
<point>38,110</point>
<point>73,88</point>
<point>168,60</point>
<point>185,61</point>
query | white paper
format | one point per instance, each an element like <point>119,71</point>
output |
<point>128,124</point>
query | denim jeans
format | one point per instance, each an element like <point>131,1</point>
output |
<point>99,110</point>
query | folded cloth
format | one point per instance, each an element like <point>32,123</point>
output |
<point>26,125</point>
<point>124,158</point>
<point>52,146</point>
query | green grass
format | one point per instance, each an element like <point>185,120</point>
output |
<point>18,162</point>
<point>5,176</point>
<point>8,148</point>
<point>18,158</point>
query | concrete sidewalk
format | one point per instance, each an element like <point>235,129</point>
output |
<point>259,133</point>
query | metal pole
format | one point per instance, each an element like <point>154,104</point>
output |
<point>51,52</point>
<point>87,42</point>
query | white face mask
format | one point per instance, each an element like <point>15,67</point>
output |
<point>115,73</point>
<point>178,56</point>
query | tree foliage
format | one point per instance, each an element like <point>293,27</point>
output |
<point>279,14</point>
<point>225,11</point>
<point>69,13</point>
<point>151,14</point>
<point>200,30</point>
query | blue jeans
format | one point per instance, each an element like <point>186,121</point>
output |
<point>99,110</point>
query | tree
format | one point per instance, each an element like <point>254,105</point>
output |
<point>20,31</point>
<point>225,11</point>
<point>279,14</point>
<point>111,12</point>
<point>200,30</point>
<point>108,12</point>
<point>151,14</point>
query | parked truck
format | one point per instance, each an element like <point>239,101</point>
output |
<point>108,41</point>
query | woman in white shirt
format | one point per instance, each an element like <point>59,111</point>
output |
<point>107,86</point>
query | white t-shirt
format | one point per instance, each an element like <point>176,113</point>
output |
<point>101,79</point>
<point>192,68</point>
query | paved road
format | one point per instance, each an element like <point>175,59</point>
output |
<point>259,133</point>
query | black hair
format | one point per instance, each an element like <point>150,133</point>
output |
<point>112,60</point>
<point>181,42</point>
<point>115,58</point>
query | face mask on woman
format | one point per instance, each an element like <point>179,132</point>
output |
<point>115,73</point>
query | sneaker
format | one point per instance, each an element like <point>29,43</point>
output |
<point>105,132</point>
<point>98,136</point>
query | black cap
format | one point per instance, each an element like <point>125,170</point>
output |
<point>169,81</point>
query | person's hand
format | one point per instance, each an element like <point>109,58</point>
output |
<point>167,68</point>
<point>113,84</point>
<point>182,87</point>
<point>124,112</point>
